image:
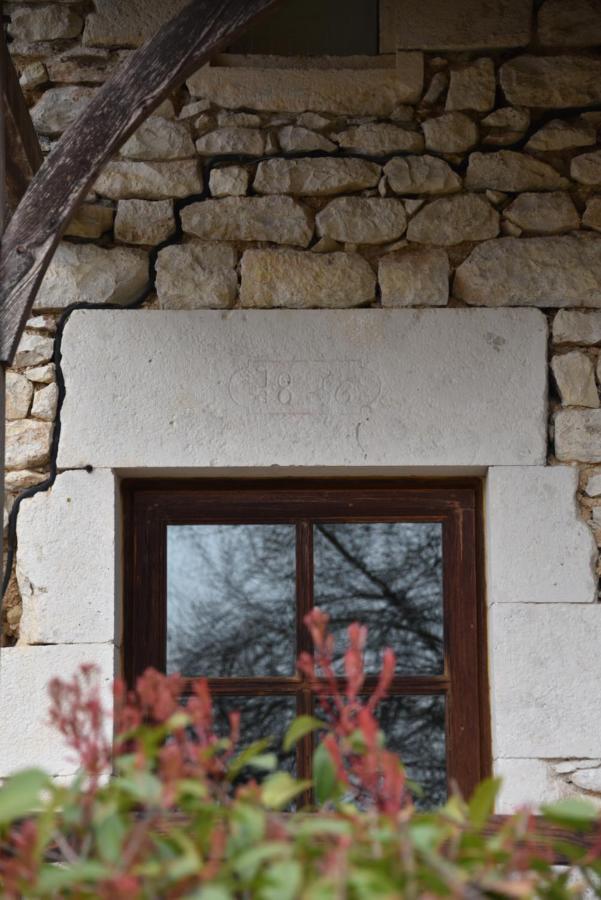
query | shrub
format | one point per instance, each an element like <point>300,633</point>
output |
<point>169,808</point>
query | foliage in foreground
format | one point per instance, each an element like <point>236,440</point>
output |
<point>188,814</point>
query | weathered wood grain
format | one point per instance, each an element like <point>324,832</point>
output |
<point>23,152</point>
<point>145,79</point>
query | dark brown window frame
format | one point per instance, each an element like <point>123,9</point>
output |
<point>150,506</point>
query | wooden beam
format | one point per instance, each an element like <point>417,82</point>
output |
<point>145,79</point>
<point>23,152</point>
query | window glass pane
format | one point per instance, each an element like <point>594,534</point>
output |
<point>260,717</point>
<point>387,576</point>
<point>231,600</point>
<point>415,729</point>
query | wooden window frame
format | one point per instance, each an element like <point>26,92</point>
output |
<point>150,506</point>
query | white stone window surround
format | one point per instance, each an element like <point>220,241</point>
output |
<point>543,621</point>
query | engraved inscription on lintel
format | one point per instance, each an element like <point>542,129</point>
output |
<point>303,386</point>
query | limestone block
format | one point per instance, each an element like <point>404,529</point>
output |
<point>228,181</point>
<point>19,391</point>
<point>589,779</point>
<point>575,378</point>
<point>41,323</point>
<point>543,213</point>
<point>452,220</point>
<point>539,549</point>
<point>121,179</point>
<point>593,485</point>
<point>561,135</point>
<point>421,175</point>
<point>414,278</point>
<point>508,118</point>
<point>86,273</point>
<point>74,520</point>
<point>91,221</point>
<point>541,655</point>
<point>234,141</point>
<point>436,89</point>
<point>472,87</point>
<point>27,444</point>
<point>528,782</point>
<point>578,435</point>
<point>298,280</point>
<point>586,168</point>
<point>353,92</point>
<point>357,386</point>
<point>573,24</point>
<point>553,82</point>
<point>127,23</point>
<point>20,481</point>
<point>592,214</point>
<point>294,139</point>
<point>362,220</point>
<point>25,673</point>
<point>59,107</point>
<point>507,170</point>
<point>315,177</point>
<point>41,374</point>
<point>227,118</point>
<point>537,271</point>
<point>159,138</point>
<point>462,25</point>
<point>453,132</point>
<point>196,275</point>
<point>576,327</point>
<point>45,403</point>
<point>46,22</point>
<point>144,221</point>
<point>379,139</point>
<point>192,110</point>
<point>33,349</point>
<point>277,219</point>
<point>32,75</point>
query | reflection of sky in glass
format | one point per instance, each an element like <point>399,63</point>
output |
<point>387,576</point>
<point>230,600</point>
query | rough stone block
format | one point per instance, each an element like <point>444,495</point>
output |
<point>472,87</point>
<point>295,139</point>
<point>277,219</point>
<point>122,179</point>
<point>298,280</point>
<point>592,214</point>
<point>27,444</point>
<point>539,549</point>
<point>538,271</point>
<point>59,107</point>
<point>414,278</point>
<point>462,25</point>
<point>575,378</point>
<point>362,220</point>
<point>452,220</point>
<point>91,221</point>
<point>560,135</point>
<point>573,24</point>
<point>146,222</point>
<point>26,738</point>
<point>553,82</point>
<point>229,181</point>
<point>379,139</point>
<point>357,384</point>
<point>453,132</point>
<point>507,170</point>
<point>421,175</point>
<point>127,23</point>
<point>19,391</point>
<point>586,168</point>
<point>46,22</point>
<point>33,349</point>
<point>45,403</point>
<point>354,92</point>
<point>74,520</point>
<point>541,656</point>
<point>315,177</point>
<point>86,273</point>
<point>543,213</point>
<point>578,435</point>
<point>232,141</point>
<point>159,138</point>
<point>197,275</point>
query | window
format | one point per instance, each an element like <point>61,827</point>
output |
<point>220,575</point>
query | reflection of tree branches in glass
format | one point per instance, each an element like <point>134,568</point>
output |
<point>231,613</point>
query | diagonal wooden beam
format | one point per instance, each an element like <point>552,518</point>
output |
<point>23,152</point>
<point>146,78</point>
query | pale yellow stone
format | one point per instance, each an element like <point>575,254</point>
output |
<point>561,135</point>
<point>543,213</point>
<point>159,138</point>
<point>27,444</point>
<point>453,220</point>
<point>295,139</point>
<point>472,87</point>
<point>362,220</point>
<point>45,403</point>
<point>421,175</point>
<point>315,177</point>
<point>574,374</point>
<point>19,392</point>
<point>226,181</point>
<point>146,222</point>
<point>233,141</point>
<point>278,219</point>
<point>554,82</point>
<point>196,275</point>
<point>91,221</point>
<point>414,278</point>
<point>380,139</point>
<point>453,132</point>
<point>129,179</point>
<point>507,170</point>
<point>586,168</point>
<point>592,214</point>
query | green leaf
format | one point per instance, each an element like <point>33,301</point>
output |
<point>280,788</point>
<point>316,825</point>
<point>245,758</point>
<point>211,892</point>
<point>482,803</point>
<point>110,834</point>
<point>20,795</point>
<point>247,864</point>
<point>324,775</point>
<point>281,881</point>
<point>265,762</point>
<point>302,726</point>
<point>573,811</point>
<point>141,786</point>
<point>54,878</point>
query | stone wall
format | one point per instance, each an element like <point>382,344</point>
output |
<point>440,175</point>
